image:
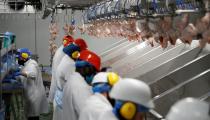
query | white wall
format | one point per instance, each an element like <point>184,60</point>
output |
<point>23,26</point>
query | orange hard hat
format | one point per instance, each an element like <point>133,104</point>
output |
<point>67,39</point>
<point>91,58</point>
<point>81,43</point>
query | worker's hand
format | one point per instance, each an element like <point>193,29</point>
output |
<point>24,74</point>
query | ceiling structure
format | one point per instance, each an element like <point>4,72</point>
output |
<point>78,4</point>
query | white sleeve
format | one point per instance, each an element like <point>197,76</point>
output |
<point>31,71</point>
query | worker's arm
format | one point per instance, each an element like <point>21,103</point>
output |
<point>30,72</point>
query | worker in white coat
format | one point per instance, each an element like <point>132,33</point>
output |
<point>77,88</point>
<point>35,95</point>
<point>67,64</point>
<point>132,100</point>
<point>189,109</point>
<point>63,72</point>
<point>56,60</point>
<point>99,102</point>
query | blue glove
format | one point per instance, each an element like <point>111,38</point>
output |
<point>17,74</point>
<point>13,81</point>
<point>59,98</point>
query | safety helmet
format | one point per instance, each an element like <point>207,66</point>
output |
<point>81,43</point>
<point>72,51</point>
<point>103,81</point>
<point>189,109</point>
<point>106,77</point>
<point>91,58</point>
<point>24,53</point>
<point>67,39</point>
<point>132,90</point>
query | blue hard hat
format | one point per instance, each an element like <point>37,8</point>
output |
<point>70,49</point>
<point>23,50</point>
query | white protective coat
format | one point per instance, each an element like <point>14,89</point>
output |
<point>56,60</point>
<point>76,92</point>
<point>95,106</point>
<point>35,95</point>
<point>108,115</point>
<point>63,72</point>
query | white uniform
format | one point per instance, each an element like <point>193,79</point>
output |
<point>76,92</point>
<point>108,115</point>
<point>94,107</point>
<point>56,60</point>
<point>36,100</point>
<point>63,72</point>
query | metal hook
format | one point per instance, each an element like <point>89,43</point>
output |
<point>125,10</point>
<point>85,16</point>
<point>180,3</point>
<point>116,5</point>
<point>102,8</point>
<point>139,7</point>
<point>107,10</point>
<point>95,11</point>
<point>92,12</point>
<point>66,17</point>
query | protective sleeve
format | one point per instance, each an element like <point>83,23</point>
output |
<point>32,71</point>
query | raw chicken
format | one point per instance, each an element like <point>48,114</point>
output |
<point>170,33</point>
<point>161,35</point>
<point>180,25</point>
<point>82,29</point>
<point>115,28</point>
<point>151,41</point>
<point>146,33</point>
<point>188,34</point>
<point>202,26</point>
<point>53,29</point>
<point>173,36</point>
<point>203,23</point>
<point>205,38</point>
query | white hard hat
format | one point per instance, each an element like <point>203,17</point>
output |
<point>189,109</point>
<point>106,77</point>
<point>100,77</point>
<point>132,90</point>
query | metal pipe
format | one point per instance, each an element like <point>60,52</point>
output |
<point>186,11</point>
<point>156,114</point>
<point>35,37</point>
<point>1,74</point>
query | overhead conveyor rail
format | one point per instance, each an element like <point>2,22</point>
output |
<point>189,88</point>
